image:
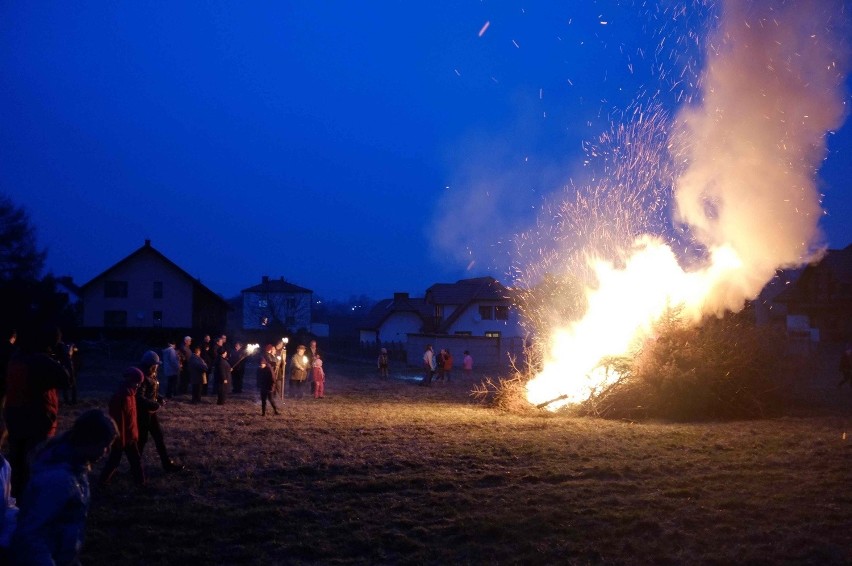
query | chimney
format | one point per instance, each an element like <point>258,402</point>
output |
<point>400,297</point>
<point>265,279</point>
<point>147,243</point>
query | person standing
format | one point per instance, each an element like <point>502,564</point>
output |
<point>448,365</point>
<point>382,363</point>
<point>428,366</point>
<point>209,359</point>
<point>237,360</point>
<point>122,409</point>
<point>55,503</point>
<point>171,369</point>
<point>184,354</point>
<point>34,379</point>
<point>311,352</point>
<point>8,349</point>
<point>265,382</point>
<point>223,377</point>
<point>197,371</point>
<point>278,362</point>
<point>148,404</point>
<point>298,372</point>
<point>65,355</point>
<point>467,363</point>
<point>318,376</point>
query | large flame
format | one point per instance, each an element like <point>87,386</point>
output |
<point>744,187</point>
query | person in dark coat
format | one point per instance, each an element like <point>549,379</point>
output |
<point>34,379</point>
<point>207,356</point>
<point>122,409</point>
<point>237,359</point>
<point>148,404</point>
<point>222,376</point>
<point>184,351</point>
<point>265,381</point>
<point>197,370</point>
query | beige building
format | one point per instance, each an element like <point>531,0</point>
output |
<point>148,290</point>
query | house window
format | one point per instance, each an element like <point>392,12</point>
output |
<point>262,303</point>
<point>463,333</point>
<point>158,289</point>
<point>290,303</point>
<point>486,312</point>
<point>439,312</point>
<point>492,334</point>
<point>115,319</point>
<point>501,312</point>
<point>115,289</point>
<point>158,319</point>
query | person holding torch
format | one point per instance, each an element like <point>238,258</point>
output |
<point>298,372</point>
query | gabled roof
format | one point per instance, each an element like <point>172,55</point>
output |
<point>401,303</point>
<point>148,249</point>
<point>464,291</point>
<point>276,286</point>
<point>836,262</point>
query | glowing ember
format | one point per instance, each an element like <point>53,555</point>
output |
<point>740,170</point>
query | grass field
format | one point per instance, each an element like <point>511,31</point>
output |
<point>386,472</point>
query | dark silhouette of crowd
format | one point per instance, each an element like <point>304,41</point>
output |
<point>46,476</point>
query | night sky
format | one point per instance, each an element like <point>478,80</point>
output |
<point>350,147</point>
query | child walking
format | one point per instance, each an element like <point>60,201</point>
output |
<point>319,376</point>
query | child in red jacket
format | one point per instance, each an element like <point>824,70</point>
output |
<point>122,409</point>
<point>318,375</point>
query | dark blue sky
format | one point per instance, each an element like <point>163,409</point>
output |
<point>337,144</point>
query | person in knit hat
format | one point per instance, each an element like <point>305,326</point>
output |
<point>122,409</point>
<point>148,404</point>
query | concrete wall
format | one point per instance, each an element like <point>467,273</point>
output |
<point>486,352</point>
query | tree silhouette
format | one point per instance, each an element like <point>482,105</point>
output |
<point>20,258</point>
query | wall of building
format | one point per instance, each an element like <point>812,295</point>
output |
<point>470,321</point>
<point>140,273</point>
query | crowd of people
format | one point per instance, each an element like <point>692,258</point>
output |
<point>439,368</point>
<point>45,479</point>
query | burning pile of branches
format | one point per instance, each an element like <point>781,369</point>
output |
<point>724,368</point>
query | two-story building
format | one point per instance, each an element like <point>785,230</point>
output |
<point>277,304</point>
<point>148,290</point>
<point>476,314</point>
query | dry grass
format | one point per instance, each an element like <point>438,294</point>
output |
<point>385,472</point>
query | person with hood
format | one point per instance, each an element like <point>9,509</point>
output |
<point>148,404</point>
<point>55,502</point>
<point>122,409</point>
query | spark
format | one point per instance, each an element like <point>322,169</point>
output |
<point>484,28</point>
